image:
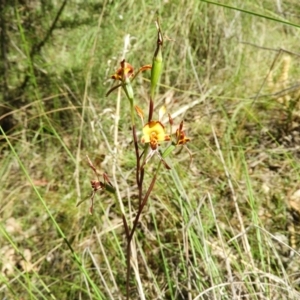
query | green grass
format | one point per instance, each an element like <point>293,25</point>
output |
<point>215,229</point>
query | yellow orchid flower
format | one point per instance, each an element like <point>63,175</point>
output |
<point>153,133</point>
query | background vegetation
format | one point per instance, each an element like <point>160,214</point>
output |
<point>224,227</point>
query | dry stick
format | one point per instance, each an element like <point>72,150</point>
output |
<point>135,267</point>
<point>116,134</point>
<point>128,253</point>
<point>115,152</point>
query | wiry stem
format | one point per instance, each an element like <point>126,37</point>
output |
<point>151,106</point>
<point>132,231</point>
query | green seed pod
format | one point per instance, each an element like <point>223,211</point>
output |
<point>157,62</point>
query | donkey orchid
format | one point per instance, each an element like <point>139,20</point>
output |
<point>153,133</point>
